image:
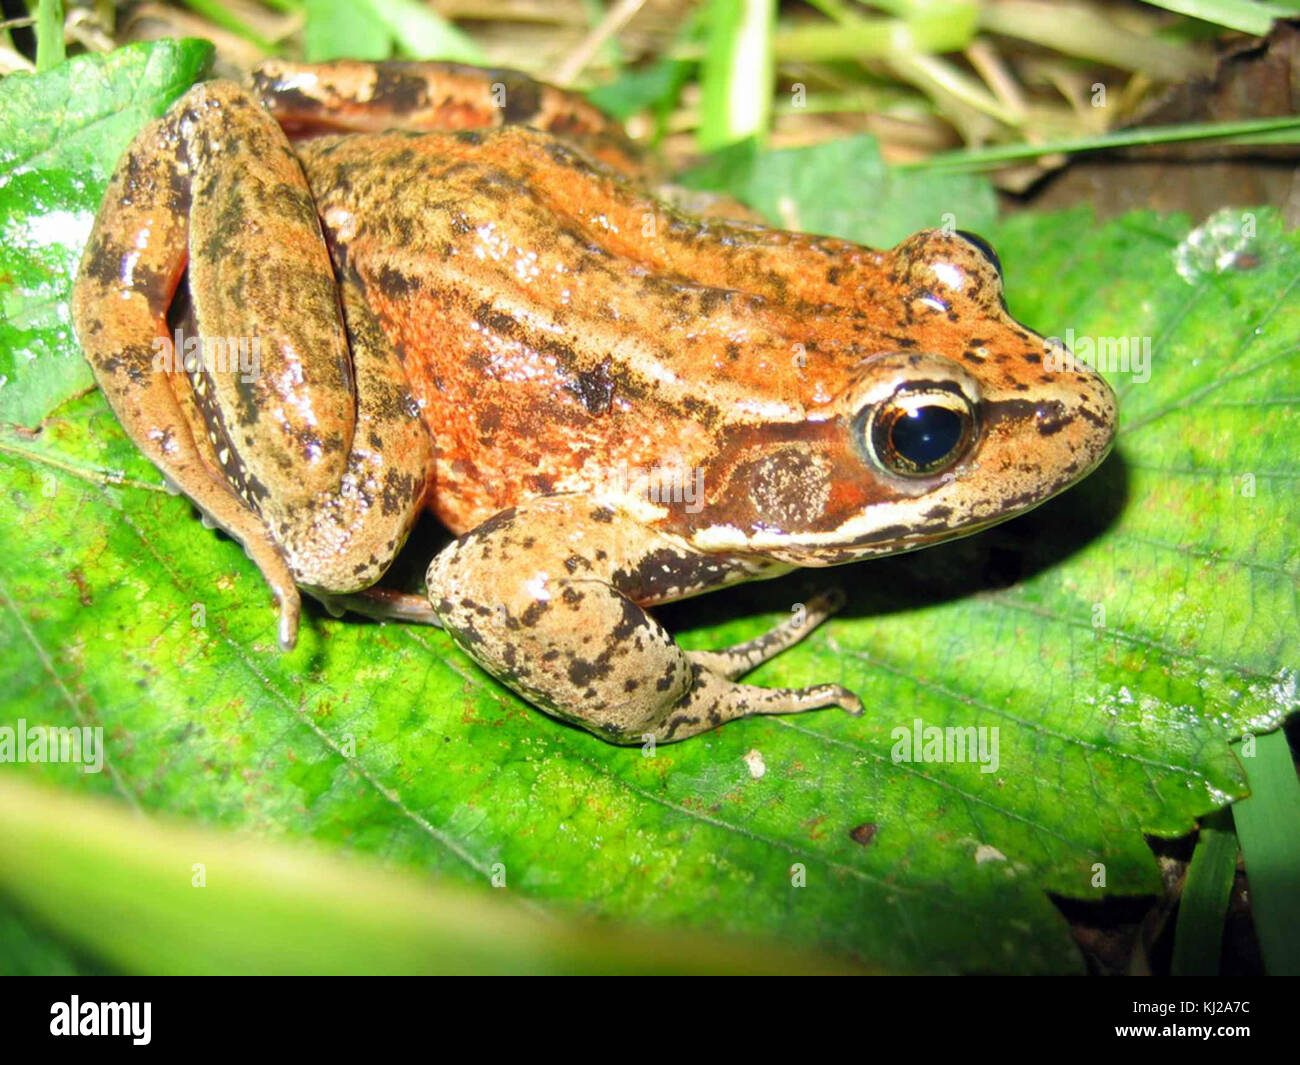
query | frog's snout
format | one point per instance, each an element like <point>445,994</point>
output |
<point>1062,434</point>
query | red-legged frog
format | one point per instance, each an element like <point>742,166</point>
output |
<point>465,300</point>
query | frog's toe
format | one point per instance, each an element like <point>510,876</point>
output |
<point>290,611</point>
<point>735,661</point>
<point>382,604</point>
<point>848,701</point>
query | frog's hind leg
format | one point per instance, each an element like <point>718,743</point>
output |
<point>353,96</point>
<point>133,263</point>
<point>266,432</point>
<point>538,595</point>
<point>343,539</point>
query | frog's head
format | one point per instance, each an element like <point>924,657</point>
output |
<point>955,418</point>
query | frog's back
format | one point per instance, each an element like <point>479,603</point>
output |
<point>549,346</point>
<point>559,326</point>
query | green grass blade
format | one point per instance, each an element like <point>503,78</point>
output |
<point>1198,938</point>
<point>421,33</point>
<point>49,34</point>
<point>1268,825</point>
<point>736,76</point>
<point>984,158</point>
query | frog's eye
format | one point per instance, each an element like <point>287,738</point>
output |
<point>983,247</point>
<point>920,432</point>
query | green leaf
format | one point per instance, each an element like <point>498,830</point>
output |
<point>1117,638</point>
<point>656,87</point>
<point>337,29</point>
<point>375,29</point>
<point>843,188</point>
<point>1248,16</point>
<point>60,135</point>
<point>29,950</point>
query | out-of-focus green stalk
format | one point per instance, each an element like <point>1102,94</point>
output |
<point>737,73</point>
<point>50,51</point>
<point>158,896</point>
<point>1079,30</point>
<point>946,29</point>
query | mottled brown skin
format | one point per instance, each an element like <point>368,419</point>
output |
<point>490,324</point>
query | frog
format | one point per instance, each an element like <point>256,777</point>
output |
<point>472,301</point>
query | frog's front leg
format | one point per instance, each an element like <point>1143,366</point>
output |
<point>308,447</point>
<point>543,597</point>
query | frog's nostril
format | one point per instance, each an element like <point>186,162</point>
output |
<point>1050,417</point>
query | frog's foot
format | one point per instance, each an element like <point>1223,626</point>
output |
<point>382,604</point>
<point>735,661</point>
<point>713,700</point>
<point>544,597</point>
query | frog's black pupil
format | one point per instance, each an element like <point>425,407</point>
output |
<point>925,436</point>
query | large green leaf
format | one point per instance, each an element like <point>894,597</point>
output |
<point>60,134</point>
<point>1117,638</point>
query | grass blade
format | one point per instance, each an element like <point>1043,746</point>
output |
<point>985,158</point>
<point>1198,938</point>
<point>1268,825</point>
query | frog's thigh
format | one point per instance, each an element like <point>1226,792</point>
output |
<point>132,265</point>
<point>344,539</point>
<point>283,417</point>
<point>361,96</point>
<point>529,595</point>
<point>373,97</point>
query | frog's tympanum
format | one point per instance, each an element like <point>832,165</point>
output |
<point>464,300</point>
